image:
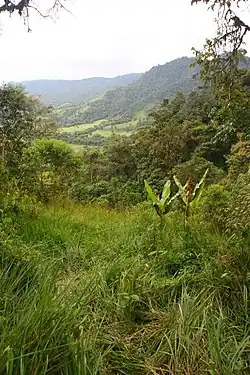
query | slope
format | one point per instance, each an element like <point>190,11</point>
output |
<point>162,81</point>
<point>59,92</point>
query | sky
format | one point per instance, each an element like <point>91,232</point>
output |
<point>101,38</point>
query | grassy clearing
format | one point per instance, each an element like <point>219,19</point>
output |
<point>80,127</point>
<point>117,129</point>
<point>107,130</point>
<point>87,290</point>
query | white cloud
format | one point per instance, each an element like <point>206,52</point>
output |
<point>102,38</point>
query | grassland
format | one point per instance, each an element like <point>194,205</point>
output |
<point>108,129</point>
<point>80,127</point>
<point>87,290</point>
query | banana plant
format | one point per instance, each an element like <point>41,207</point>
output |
<point>190,193</point>
<point>161,204</point>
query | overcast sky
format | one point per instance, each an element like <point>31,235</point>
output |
<point>102,38</point>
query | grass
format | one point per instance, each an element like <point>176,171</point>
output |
<point>108,129</point>
<point>80,127</point>
<point>88,290</point>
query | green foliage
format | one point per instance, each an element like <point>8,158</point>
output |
<point>237,219</point>
<point>239,160</point>
<point>160,203</point>
<point>22,119</point>
<point>160,82</point>
<point>88,290</point>
<point>49,168</point>
<point>180,141</point>
<point>226,75</point>
<point>230,35</point>
<point>69,95</point>
<point>114,193</point>
<point>151,195</point>
<point>196,167</point>
<point>214,205</point>
<point>190,193</point>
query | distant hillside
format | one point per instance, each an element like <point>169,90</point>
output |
<point>160,82</point>
<point>58,92</point>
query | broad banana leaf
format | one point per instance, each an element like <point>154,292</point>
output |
<point>181,190</point>
<point>150,193</point>
<point>173,198</point>
<point>199,186</point>
<point>165,195</point>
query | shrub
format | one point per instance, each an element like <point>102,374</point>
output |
<point>214,204</point>
<point>237,219</point>
<point>239,160</point>
<point>49,168</point>
<point>115,192</point>
<point>196,167</point>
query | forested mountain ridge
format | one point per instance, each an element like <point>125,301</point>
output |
<point>58,92</point>
<point>160,82</point>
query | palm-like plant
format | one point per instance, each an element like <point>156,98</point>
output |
<point>161,204</point>
<point>190,193</point>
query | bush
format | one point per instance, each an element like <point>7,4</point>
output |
<point>114,192</point>
<point>16,205</point>
<point>239,160</point>
<point>196,167</point>
<point>237,219</point>
<point>49,167</point>
<point>214,204</point>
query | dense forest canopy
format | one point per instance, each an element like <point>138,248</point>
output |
<point>160,82</point>
<point>62,92</point>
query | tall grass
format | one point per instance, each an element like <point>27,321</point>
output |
<point>85,290</point>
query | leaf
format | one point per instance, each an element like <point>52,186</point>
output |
<point>199,186</point>
<point>165,195</point>
<point>173,198</point>
<point>181,190</point>
<point>150,193</point>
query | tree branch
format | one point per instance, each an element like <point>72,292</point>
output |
<point>22,6</point>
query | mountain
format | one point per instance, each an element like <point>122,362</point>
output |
<point>59,92</point>
<point>160,82</point>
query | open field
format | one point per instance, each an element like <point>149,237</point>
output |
<point>80,127</point>
<point>108,129</point>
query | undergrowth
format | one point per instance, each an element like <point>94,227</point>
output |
<point>85,290</point>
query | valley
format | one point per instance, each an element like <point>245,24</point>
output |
<point>89,118</point>
<point>125,201</point>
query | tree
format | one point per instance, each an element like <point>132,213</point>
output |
<point>222,61</point>
<point>222,55</point>
<point>22,119</point>
<point>119,158</point>
<point>49,167</point>
<point>239,160</point>
<point>231,27</point>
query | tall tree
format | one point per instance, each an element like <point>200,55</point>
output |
<point>22,119</point>
<point>231,28</point>
<point>221,62</point>
<point>222,54</point>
